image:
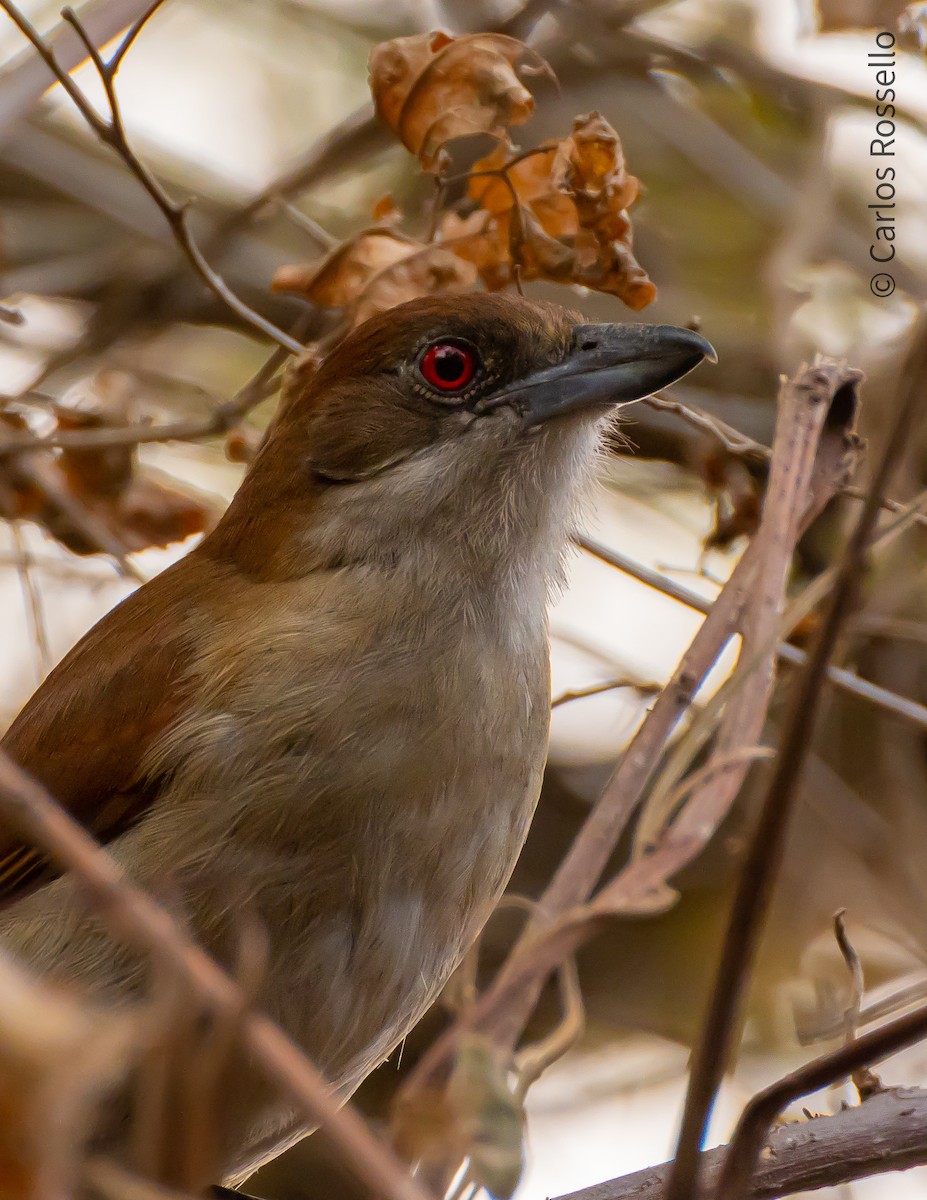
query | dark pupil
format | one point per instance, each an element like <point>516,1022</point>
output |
<point>449,364</point>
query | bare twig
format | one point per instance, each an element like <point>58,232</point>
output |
<point>764,856</point>
<point>303,221</point>
<point>135,919</point>
<point>23,80</point>
<point>610,685</point>
<point>855,968</point>
<point>892,999</point>
<point>865,1081</point>
<point>533,1061</point>
<point>34,614</point>
<point>111,132</point>
<point>223,418</point>
<point>899,706</point>
<point>731,439</point>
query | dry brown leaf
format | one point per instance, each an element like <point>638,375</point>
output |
<point>374,272</point>
<point>432,88</point>
<point>475,239</point>
<point>590,165</point>
<point>142,506</point>
<point>559,213</point>
<point>138,506</point>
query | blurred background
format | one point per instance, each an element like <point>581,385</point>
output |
<point>749,123</point>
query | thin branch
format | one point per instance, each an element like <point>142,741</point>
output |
<point>224,417</point>
<point>33,601</point>
<point>112,133</point>
<point>610,685</point>
<point>762,862</point>
<point>303,221</point>
<point>132,33</point>
<point>891,1001</point>
<point>864,1080</point>
<point>135,919</point>
<point>730,438</point>
<point>847,681</point>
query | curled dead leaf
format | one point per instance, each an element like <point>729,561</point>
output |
<point>374,272</point>
<point>432,88</point>
<point>558,213</point>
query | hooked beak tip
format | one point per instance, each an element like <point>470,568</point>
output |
<point>608,366</point>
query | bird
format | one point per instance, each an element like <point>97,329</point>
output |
<point>332,713</point>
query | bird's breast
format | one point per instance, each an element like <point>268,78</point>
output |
<point>364,776</point>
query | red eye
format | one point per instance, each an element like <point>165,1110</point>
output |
<point>448,366</point>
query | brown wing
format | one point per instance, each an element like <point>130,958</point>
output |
<point>86,730</point>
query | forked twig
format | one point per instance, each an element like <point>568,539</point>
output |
<point>111,132</point>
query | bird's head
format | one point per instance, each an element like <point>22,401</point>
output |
<point>473,417</point>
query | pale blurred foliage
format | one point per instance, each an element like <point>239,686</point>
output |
<point>58,1058</point>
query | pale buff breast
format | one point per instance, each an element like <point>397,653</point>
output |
<point>394,799</point>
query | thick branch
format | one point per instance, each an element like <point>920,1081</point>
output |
<point>758,1116</point>
<point>888,1132</point>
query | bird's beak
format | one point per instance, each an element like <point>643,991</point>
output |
<point>608,365</point>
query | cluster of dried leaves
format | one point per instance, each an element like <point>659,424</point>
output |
<point>95,498</point>
<point>557,212</point>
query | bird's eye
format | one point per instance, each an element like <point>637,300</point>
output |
<point>449,366</point>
